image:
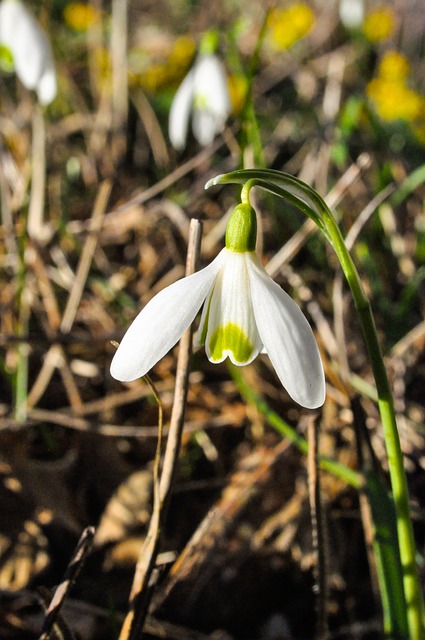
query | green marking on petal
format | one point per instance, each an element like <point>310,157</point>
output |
<point>230,338</point>
<point>6,59</point>
<point>204,329</point>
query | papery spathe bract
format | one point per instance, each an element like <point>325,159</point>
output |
<point>30,49</point>
<point>204,96</point>
<point>245,312</point>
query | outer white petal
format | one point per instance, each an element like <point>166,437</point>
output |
<point>211,83</point>
<point>204,126</point>
<point>178,121</point>
<point>161,323</point>
<point>30,48</point>
<point>288,338</point>
<point>47,86</point>
<point>229,304</point>
<point>211,98</point>
<point>17,28</point>
<point>29,51</point>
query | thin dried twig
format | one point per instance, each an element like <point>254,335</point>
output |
<point>55,357</point>
<point>141,588</point>
<point>6,210</point>
<point>152,127</point>
<point>182,376</point>
<point>77,423</point>
<point>119,30</point>
<point>318,529</point>
<point>86,257</point>
<point>38,230</point>
<point>68,580</point>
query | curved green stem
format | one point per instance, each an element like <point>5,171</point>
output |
<point>310,203</point>
<point>406,542</point>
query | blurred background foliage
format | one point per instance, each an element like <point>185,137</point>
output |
<point>332,92</point>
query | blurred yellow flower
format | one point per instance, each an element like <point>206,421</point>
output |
<point>80,16</point>
<point>390,95</point>
<point>392,100</point>
<point>182,52</point>
<point>287,26</point>
<point>419,131</point>
<point>153,78</point>
<point>380,24</point>
<point>393,66</point>
<point>237,85</point>
<point>103,63</point>
<point>158,74</point>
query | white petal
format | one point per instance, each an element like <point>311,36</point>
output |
<point>27,42</point>
<point>47,87</point>
<point>161,323</point>
<point>180,112</point>
<point>211,99</point>
<point>211,86</point>
<point>351,13</point>
<point>288,338</point>
<point>231,328</point>
<point>205,126</point>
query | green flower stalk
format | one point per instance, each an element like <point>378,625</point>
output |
<point>310,203</point>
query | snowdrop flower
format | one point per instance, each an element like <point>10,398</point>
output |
<point>351,13</point>
<point>245,313</point>
<point>204,94</point>
<point>29,47</point>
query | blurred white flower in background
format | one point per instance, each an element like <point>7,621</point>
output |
<point>25,49</point>
<point>351,13</point>
<point>204,95</point>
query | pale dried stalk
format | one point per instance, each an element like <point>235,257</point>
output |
<point>86,257</point>
<point>318,530</point>
<point>37,229</point>
<point>55,355</point>
<point>140,592</point>
<point>6,212</point>
<point>62,590</point>
<point>119,29</point>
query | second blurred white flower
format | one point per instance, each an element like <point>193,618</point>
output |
<point>204,95</point>
<point>30,50</point>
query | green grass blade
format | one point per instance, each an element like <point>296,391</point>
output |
<point>388,564</point>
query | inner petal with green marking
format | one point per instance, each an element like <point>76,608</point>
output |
<point>230,340</point>
<point>228,325</point>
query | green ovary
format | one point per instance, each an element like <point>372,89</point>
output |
<point>230,338</point>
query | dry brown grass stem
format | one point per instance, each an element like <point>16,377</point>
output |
<point>62,590</point>
<point>37,229</point>
<point>6,209</point>
<point>55,357</point>
<point>119,30</point>
<point>318,530</point>
<point>171,178</point>
<point>152,127</point>
<point>299,238</point>
<point>142,587</point>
